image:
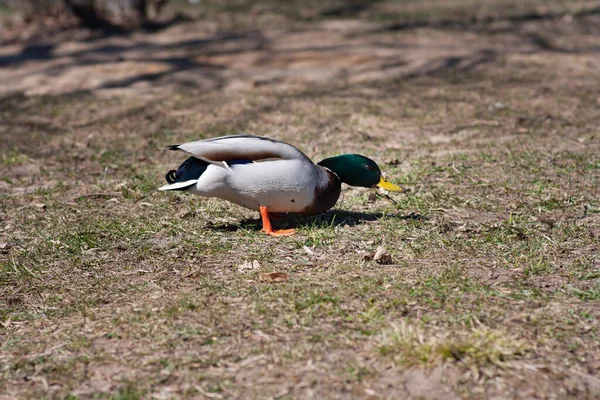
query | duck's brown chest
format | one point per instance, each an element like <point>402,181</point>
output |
<point>325,196</point>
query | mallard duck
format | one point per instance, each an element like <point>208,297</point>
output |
<point>270,176</point>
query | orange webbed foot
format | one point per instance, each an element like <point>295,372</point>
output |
<point>268,229</point>
<point>282,232</point>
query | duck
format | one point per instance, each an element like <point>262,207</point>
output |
<point>270,176</point>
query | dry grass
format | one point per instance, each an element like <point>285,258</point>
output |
<point>110,289</point>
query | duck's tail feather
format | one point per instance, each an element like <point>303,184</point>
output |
<point>187,174</point>
<point>179,185</point>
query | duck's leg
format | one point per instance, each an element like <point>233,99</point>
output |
<point>268,229</point>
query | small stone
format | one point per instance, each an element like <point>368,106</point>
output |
<point>372,198</point>
<point>496,106</point>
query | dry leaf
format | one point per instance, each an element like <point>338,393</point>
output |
<point>274,277</point>
<point>249,266</point>
<point>462,228</point>
<point>382,256</point>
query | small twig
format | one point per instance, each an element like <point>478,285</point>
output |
<point>207,394</point>
<point>93,195</point>
<point>455,169</point>
<point>191,273</point>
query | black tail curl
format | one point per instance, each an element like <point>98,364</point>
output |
<point>190,169</point>
<point>171,176</point>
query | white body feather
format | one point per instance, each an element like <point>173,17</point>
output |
<point>286,181</point>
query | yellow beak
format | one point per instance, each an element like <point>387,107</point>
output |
<point>389,186</point>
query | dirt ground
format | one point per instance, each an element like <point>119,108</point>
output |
<point>488,112</point>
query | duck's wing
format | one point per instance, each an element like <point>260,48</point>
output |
<point>225,149</point>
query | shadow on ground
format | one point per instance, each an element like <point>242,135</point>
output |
<point>331,218</point>
<point>187,56</point>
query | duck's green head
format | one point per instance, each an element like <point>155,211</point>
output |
<point>357,170</point>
